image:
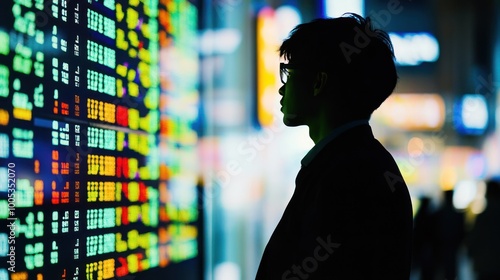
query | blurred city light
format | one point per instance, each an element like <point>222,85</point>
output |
<point>413,49</point>
<point>272,27</point>
<point>227,271</point>
<point>464,193</point>
<point>338,8</point>
<point>459,163</point>
<point>471,114</point>
<point>412,111</point>
<point>222,41</point>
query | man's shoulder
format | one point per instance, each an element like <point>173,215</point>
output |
<point>357,155</point>
<point>368,168</point>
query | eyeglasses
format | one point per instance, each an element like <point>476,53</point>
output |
<point>284,71</point>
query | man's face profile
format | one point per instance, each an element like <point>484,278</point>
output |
<point>296,102</point>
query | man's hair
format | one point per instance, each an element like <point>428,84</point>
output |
<point>359,59</point>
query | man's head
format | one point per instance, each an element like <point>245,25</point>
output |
<point>340,65</point>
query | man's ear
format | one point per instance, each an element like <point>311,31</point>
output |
<point>320,83</point>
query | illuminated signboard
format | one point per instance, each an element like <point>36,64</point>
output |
<point>412,111</point>
<point>471,114</point>
<point>91,148</point>
<point>412,27</point>
<point>412,49</point>
<point>272,27</point>
<point>338,8</point>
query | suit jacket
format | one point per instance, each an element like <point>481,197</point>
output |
<point>350,216</point>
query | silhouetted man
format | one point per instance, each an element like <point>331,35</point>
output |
<point>483,240</point>
<point>350,216</point>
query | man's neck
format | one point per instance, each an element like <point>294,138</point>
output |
<point>316,133</point>
<point>321,129</point>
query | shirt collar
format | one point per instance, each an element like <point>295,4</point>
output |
<point>329,138</point>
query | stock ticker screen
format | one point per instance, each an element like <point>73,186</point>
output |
<point>98,162</point>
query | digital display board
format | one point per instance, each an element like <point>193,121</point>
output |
<point>97,146</point>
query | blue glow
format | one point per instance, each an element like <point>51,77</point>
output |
<point>471,114</point>
<point>412,49</point>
